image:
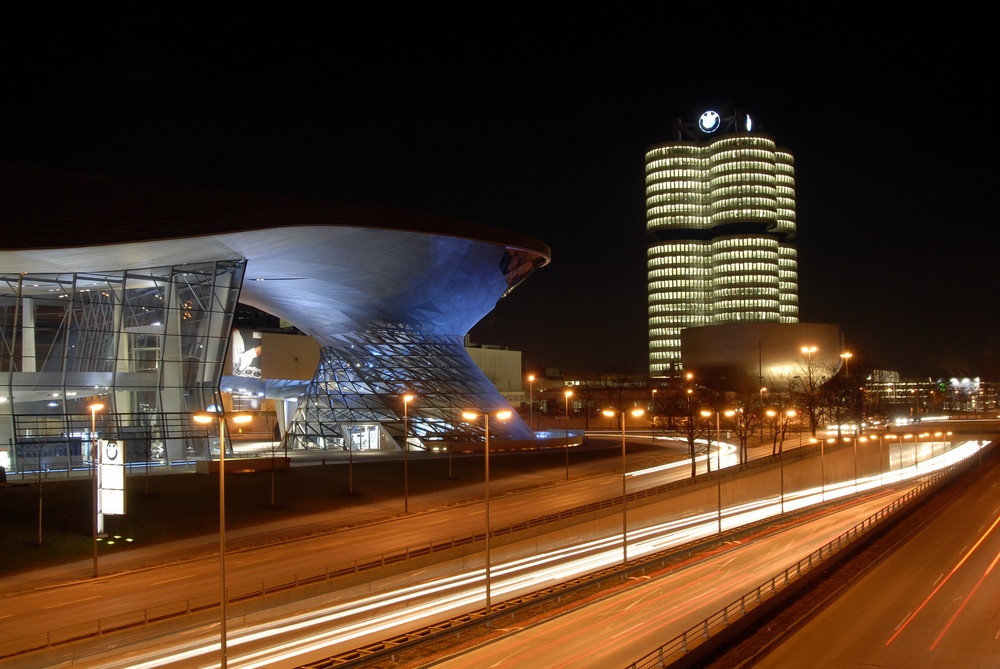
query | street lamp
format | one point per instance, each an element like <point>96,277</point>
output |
<point>471,416</point>
<point>531,401</point>
<point>94,408</point>
<point>652,410</point>
<point>206,417</point>
<point>718,457</point>
<point>568,394</point>
<point>846,355</point>
<point>705,413</point>
<point>406,452</point>
<point>635,413</point>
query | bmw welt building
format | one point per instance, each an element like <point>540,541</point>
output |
<point>122,292</point>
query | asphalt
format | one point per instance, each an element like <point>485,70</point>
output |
<point>293,528</point>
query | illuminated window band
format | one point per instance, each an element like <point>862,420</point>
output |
<point>722,215</point>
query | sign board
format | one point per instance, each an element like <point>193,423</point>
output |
<point>111,477</point>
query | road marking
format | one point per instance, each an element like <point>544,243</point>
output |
<point>170,580</point>
<point>75,601</point>
<point>900,623</point>
<point>940,576</point>
<point>997,635</point>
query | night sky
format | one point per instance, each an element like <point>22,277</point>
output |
<point>538,123</point>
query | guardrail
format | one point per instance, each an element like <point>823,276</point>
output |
<point>694,636</point>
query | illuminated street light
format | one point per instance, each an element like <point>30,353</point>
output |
<point>206,417</point>
<point>718,456</point>
<point>568,394</point>
<point>705,413</point>
<point>406,452</point>
<point>531,401</point>
<point>472,416</point>
<point>847,362</point>
<point>94,408</point>
<point>635,414</point>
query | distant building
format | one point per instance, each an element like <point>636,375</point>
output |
<point>502,367</point>
<point>734,355</point>
<point>720,209</point>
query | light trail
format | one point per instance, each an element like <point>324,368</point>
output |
<point>330,628</point>
<point>941,584</point>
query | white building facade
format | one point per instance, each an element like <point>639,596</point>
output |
<point>720,211</point>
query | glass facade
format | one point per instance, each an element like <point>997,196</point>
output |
<point>134,308</point>
<point>355,398</point>
<point>148,344</point>
<point>722,217</point>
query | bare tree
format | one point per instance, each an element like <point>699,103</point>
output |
<point>806,386</point>
<point>779,419</point>
<point>691,424</point>
<point>745,421</point>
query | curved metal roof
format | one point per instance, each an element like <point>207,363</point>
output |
<point>327,268</point>
<point>45,208</point>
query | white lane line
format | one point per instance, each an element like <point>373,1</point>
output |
<point>75,601</point>
<point>170,580</point>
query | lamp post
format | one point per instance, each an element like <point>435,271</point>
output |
<point>568,394</point>
<point>881,464</point>
<point>728,413</point>
<point>406,452</point>
<point>205,417</point>
<point>808,388</point>
<point>531,401</point>
<point>473,415</point>
<point>760,407</point>
<point>718,455</point>
<point>94,408</point>
<point>705,413</point>
<point>891,436</point>
<point>847,355</point>
<point>635,413</point>
<point>652,411</point>
<point>910,436</point>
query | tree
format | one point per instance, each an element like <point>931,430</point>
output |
<point>806,386</point>
<point>745,421</point>
<point>691,423</point>
<point>780,419</point>
<point>745,399</point>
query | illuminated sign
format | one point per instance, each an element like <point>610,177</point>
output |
<point>111,478</point>
<point>246,353</point>
<point>710,121</point>
<point>748,122</point>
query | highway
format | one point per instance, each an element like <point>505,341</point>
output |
<point>326,629</point>
<point>49,605</point>
<point>935,602</point>
<point>423,596</point>
<point>616,629</point>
